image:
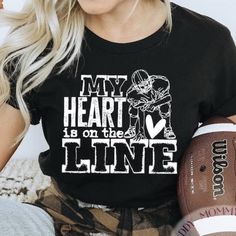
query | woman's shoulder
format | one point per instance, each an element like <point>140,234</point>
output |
<point>196,22</point>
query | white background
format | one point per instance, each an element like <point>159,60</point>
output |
<point>221,10</point>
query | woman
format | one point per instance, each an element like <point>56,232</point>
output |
<point>120,87</point>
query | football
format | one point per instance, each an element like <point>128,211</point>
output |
<point>207,174</point>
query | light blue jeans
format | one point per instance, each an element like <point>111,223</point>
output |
<point>20,219</point>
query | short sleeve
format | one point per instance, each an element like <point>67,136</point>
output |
<point>221,100</point>
<point>30,98</point>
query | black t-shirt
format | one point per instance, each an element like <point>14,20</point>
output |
<point>118,126</point>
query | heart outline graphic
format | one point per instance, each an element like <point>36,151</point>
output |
<point>154,130</point>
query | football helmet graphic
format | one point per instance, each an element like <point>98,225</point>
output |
<point>148,93</point>
<point>141,80</point>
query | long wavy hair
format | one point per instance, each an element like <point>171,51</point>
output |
<point>60,22</point>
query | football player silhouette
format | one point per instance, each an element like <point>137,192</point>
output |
<point>148,93</point>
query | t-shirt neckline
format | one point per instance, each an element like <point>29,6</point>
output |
<point>95,41</point>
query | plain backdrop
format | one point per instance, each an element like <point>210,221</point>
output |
<point>220,10</point>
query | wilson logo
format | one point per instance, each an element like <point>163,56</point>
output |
<point>219,163</point>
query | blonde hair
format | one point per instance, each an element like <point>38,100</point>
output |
<point>31,31</point>
<point>169,15</point>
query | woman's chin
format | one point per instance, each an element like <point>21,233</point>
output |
<point>98,7</point>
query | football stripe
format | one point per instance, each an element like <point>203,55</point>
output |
<point>216,224</point>
<point>223,127</point>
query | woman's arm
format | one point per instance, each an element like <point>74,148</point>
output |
<point>11,125</point>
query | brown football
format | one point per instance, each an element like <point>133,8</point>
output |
<point>207,175</point>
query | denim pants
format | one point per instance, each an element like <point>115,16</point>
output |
<point>20,219</point>
<point>57,214</point>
